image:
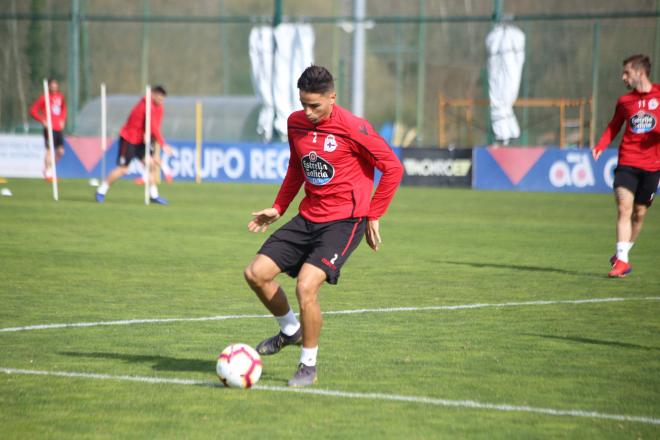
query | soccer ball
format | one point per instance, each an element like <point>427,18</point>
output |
<point>239,366</point>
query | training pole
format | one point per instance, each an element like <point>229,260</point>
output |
<point>104,131</point>
<point>198,142</point>
<point>147,144</point>
<point>51,146</point>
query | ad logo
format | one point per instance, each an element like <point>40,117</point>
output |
<point>316,169</point>
<point>642,122</point>
<point>575,171</point>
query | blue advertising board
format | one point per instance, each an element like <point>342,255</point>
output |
<point>220,162</point>
<point>543,169</point>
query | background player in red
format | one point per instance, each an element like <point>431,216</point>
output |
<point>638,171</point>
<point>131,144</point>
<point>334,154</point>
<point>58,119</point>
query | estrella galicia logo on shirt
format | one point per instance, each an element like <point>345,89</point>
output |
<point>316,169</point>
<point>642,122</point>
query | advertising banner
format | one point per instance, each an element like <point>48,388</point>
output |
<point>437,166</point>
<point>541,169</point>
<point>22,156</point>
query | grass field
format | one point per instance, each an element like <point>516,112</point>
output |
<point>534,360</point>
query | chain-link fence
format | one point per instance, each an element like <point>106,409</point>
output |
<point>418,52</point>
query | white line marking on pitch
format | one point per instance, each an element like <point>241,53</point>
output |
<point>470,404</point>
<point>336,312</point>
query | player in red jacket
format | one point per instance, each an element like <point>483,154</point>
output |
<point>131,144</point>
<point>333,153</point>
<point>638,170</point>
<point>58,121</point>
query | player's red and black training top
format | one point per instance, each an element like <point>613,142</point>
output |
<point>336,159</point>
<point>640,145</point>
<point>133,129</point>
<point>57,110</point>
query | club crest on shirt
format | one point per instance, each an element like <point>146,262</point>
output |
<point>330,144</point>
<point>642,122</point>
<point>317,170</point>
<point>653,104</point>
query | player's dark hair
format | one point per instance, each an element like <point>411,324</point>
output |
<point>316,79</point>
<point>639,61</point>
<point>50,79</point>
<point>159,89</point>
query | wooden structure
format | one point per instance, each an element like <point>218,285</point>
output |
<point>562,104</point>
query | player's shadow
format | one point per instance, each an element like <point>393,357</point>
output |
<point>583,340</point>
<point>158,363</point>
<point>523,268</point>
<point>161,363</point>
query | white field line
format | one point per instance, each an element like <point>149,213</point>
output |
<point>469,404</point>
<point>336,312</point>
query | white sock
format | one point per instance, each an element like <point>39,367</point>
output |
<point>103,188</point>
<point>622,249</point>
<point>153,191</point>
<point>308,356</point>
<point>288,323</point>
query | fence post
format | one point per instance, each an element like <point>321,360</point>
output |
<point>74,65</point>
<point>595,64</point>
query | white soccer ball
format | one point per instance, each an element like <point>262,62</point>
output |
<point>239,366</point>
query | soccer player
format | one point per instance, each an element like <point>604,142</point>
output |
<point>58,121</point>
<point>334,154</point>
<point>131,144</point>
<point>638,171</point>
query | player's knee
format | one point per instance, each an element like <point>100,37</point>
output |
<point>306,290</point>
<point>253,277</point>
<point>639,214</point>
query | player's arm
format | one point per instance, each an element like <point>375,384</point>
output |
<point>610,132</point>
<point>290,187</point>
<point>374,148</point>
<point>36,110</point>
<point>64,113</point>
<point>156,120</point>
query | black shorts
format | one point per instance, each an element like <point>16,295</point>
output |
<point>324,245</point>
<point>58,138</point>
<point>643,184</point>
<point>127,152</point>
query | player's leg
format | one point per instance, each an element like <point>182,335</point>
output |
<point>333,244</point>
<point>624,202</point>
<point>260,276</point>
<point>643,200</point>
<point>154,169</point>
<point>125,155</point>
<point>639,213</point>
<point>58,138</point>
<point>48,167</point>
<point>284,251</point>
<point>308,285</point>
<point>59,153</point>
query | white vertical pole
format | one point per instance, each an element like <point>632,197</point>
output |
<point>359,14</point>
<point>147,144</point>
<point>104,131</point>
<point>51,147</point>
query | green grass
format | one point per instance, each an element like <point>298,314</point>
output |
<point>77,261</point>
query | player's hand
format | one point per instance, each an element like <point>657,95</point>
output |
<point>372,234</point>
<point>167,149</point>
<point>261,219</point>
<point>596,153</point>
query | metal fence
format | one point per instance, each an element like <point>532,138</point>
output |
<point>417,53</point>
